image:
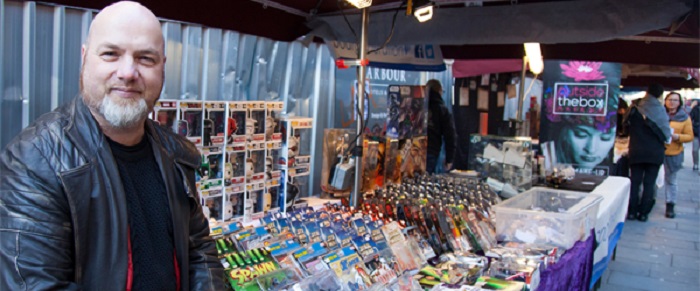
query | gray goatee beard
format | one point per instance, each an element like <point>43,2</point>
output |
<point>123,116</point>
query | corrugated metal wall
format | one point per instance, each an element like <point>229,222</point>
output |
<point>40,49</point>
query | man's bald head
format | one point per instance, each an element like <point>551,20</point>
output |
<point>123,66</point>
<point>129,14</point>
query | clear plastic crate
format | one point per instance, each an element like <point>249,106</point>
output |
<point>547,216</point>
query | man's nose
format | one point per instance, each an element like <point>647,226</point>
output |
<point>128,69</point>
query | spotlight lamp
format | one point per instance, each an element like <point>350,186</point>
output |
<point>360,3</point>
<point>423,10</point>
<point>533,55</point>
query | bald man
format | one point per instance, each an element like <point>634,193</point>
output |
<point>94,196</point>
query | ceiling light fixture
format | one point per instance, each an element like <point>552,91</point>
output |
<point>423,10</point>
<point>360,3</point>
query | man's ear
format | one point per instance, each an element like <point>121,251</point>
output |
<point>83,51</point>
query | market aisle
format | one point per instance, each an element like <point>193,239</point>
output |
<point>661,254</point>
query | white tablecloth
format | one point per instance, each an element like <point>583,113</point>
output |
<point>611,218</point>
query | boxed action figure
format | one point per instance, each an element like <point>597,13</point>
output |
<point>255,126</point>
<point>273,126</point>
<point>236,124</point>
<point>190,121</point>
<point>165,114</point>
<point>214,133</point>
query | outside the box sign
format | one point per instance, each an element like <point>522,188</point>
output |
<point>579,113</point>
<point>581,99</point>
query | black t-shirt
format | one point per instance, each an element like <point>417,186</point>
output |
<point>150,221</point>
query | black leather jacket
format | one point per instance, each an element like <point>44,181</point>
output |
<point>63,216</point>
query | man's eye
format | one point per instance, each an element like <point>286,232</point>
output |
<point>108,54</point>
<point>147,60</point>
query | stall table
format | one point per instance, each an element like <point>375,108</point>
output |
<point>611,218</point>
<point>583,265</point>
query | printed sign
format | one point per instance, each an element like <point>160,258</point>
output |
<point>420,57</point>
<point>581,99</point>
<point>579,113</point>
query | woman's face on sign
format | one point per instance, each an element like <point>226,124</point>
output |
<point>589,146</point>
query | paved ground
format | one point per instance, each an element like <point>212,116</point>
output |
<point>662,253</point>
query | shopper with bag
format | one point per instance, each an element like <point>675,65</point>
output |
<point>682,132</point>
<point>649,130</point>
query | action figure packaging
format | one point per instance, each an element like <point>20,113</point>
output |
<point>273,175</point>
<point>419,111</point>
<point>233,205</point>
<point>294,186</point>
<point>370,163</point>
<point>210,173</point>
<point>392,175</point>
<point>295,159</point>
<point>256,194</point>
<point>190,121</point>
<point>247,266</point>
<point>255,126</point>
<point>234,169</point>
<point>212,207</point>
<point>407,112</point>
<point>278,280</point>
<point>255,199</point>
<point>214,132</point>
<point>165,114</point>
<point>296,142</point>
<point>255,166</point>
<point>336,145</point>
<point>236,124</point>
<point>273,126</point>
<point>412,156</point>
<point>382,267</point>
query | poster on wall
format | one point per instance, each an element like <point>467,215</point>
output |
<point>579,113</point>
<point>378,81</point>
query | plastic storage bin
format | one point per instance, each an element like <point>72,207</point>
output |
<point>547,216</point>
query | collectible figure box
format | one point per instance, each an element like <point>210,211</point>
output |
<point>190,121</point>
<point>165,114</point>
<point>234,169</point>
<point>233,205</point>
<point>214,132</point>
<point>273,125</point>
<point>255,126</point>
<point>295,159</point>
<point>255,166</point>
<point>236,126</point>
<point>370,160</point>
<point>408,112</point>
<point>336,145</point>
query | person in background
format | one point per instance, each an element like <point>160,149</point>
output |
<point>649,131</point>
<point>682,132</point>
<point>622,108</point>
<point>695,119</point>
<point>440,127</point>
<point>622,168</point>
<point>94,195</point>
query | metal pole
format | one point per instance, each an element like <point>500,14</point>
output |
<point>521,98</point>
<point>361,71</point>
